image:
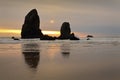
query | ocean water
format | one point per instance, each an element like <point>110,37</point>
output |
<point>34,59</point>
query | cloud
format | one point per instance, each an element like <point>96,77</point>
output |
<point>82,14</point>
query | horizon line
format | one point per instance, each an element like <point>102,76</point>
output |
<point>45,32</point>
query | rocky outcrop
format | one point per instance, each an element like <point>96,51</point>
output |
<point>89,36</point>
<point>30,28</point>
<point>66,32</point>
<point>46,37</point>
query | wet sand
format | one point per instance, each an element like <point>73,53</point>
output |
<point>60,60</point>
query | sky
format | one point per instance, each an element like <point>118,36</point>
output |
<point>87,16</point>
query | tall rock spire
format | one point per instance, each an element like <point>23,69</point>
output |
<point>30,28</point>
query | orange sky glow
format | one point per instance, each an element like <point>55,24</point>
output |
<point>88,16</point>
<point>12,32</point>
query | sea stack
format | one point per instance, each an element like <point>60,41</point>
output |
<point>65,32</point>
<point>30,28</point>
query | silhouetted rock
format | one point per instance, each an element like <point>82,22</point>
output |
<point>30,28</point>
<point>46,37</point>
<point>72,37</point>
<point>66,32</point>
<point>14,38</point>
<point>90,36</point>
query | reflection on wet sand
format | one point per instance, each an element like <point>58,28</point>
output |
<point>31,54</point>
<point>65,50</point>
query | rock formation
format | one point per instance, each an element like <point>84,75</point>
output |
<point>89,36</point>
<point>66,32</point>
<point>14,38</point>
<point>30,28</point>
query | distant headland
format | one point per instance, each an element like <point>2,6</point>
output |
<point>30,29</point>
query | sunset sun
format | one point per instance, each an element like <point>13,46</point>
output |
<point>52,21</point>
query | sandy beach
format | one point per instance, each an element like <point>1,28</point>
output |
<point>59,40</point>
<point>60,60</point>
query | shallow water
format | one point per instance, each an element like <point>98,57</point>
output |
<point>97,59</point>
